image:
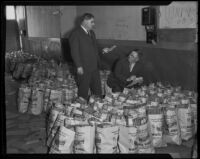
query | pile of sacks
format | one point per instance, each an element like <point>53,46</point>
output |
<point>44,69</point>
<point>38,95</point>
<point>95,128</point>
<point>25,65</point>
<point>19,63</point>
<point>47,85</point>
<point>135,121</point>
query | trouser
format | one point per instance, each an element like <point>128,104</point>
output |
<point>118,86</point>
<point>115,85</point>
<point>89,80</point>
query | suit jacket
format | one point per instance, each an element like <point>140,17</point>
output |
<point>84,49</point>
<point>122,72</point>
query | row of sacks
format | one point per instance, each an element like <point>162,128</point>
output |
<point>75,130</point>
<point>25,65</point>
<point>37,97</point>
<point>19,63</point>
<point>41,69</point>
<point>155,124</point>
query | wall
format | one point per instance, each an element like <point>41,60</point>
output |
<point>67,20</point>
<point>48,30</point>
<point>116,22</point>
<point>178,15</point>
<point>41,21</point>
<point>12,36</point>
<point>67,23</point>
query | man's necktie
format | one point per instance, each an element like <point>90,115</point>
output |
<point>89,34</point>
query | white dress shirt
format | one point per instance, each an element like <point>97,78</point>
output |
<point>131,66</point>
<point>85,29</point>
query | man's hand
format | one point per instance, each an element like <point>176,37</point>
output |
<point>135,80</point>
<point>80,70</point>
<point>132,83</point>
<point>106,50</point>
<point>140,80</point>
<point>131,78</point>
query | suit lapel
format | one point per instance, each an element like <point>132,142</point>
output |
<point>84,33</point>
<point>127,65</point>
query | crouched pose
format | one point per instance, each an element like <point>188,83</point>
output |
<point>126,73</point>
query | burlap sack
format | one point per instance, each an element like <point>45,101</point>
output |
<point>127,139</point>
<point>172,132</point>
<point>184,114</point>
<point>59,122</point>
<point>106,139</point>
<point>37,100</point>
<point>24,99</point>
<point>63,141</point>
<point>156,117</point>
<point>145,144</point>
<point>84,139</point>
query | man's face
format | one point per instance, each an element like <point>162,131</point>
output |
<point>133,57</point>
<point>89,24</point>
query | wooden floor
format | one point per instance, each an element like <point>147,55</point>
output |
<point>26,134</point>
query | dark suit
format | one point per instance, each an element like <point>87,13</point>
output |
<point>84,53</point>
<point>117,79</point>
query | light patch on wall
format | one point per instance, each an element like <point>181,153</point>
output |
<point>179,15</point>
<point>10,12</point>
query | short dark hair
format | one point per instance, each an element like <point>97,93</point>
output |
<point>136,50</point>
<point>86,16</point>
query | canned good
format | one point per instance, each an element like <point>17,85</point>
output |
<point>99,104</point>
<point>122,98</point>
<point>108,98</point>
<point>116,95</point>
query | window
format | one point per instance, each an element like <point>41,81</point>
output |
<point>10,12</point>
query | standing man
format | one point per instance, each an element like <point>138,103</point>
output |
<point>84,53</point>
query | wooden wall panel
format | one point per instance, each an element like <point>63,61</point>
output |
<point>177,35</point>
<point>48,48</point>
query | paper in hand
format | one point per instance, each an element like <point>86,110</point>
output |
<point>106,50</point>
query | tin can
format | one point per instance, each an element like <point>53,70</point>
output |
<point>122,98</point>
<point>108,98</point>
